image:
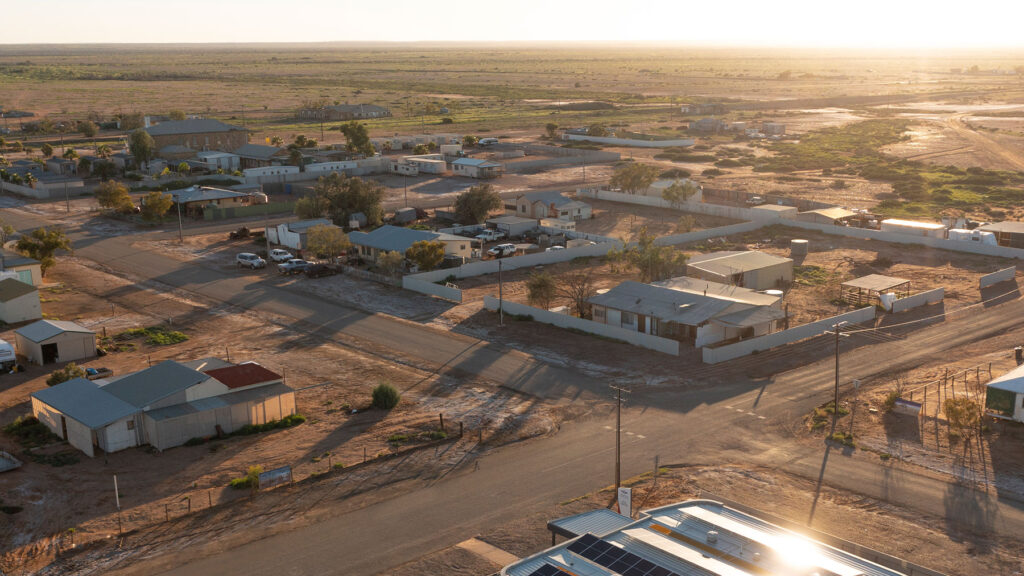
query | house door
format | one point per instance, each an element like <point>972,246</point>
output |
<point>63,427</point>
<point>641,323</point>
<point>25,276</point>
<point>49,353</point>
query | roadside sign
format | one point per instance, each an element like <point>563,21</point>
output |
<point>626,502</point>
<point>275,477</point>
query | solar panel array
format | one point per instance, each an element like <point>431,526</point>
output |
<point>616,559</point>
<point>547,570</point>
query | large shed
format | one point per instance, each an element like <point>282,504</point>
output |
<point>865,291</point>
<point>832,215</point>
<point>19,301</point>
<point>749,269</point>
<point>49,341</point>
<point>81,413</point>
<point>1007,233</point>
<point>513,226</point>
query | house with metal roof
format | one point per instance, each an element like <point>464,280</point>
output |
<point>198,134</point>
<point>692,311</point>
<point>551,204</point>
<point>50,341</point>
<point>164,405</point>
<point>1004,396</point>
<point>833,215</point>
<point>195,198</point>
<point>476,168</point>
<point>260,155</point>
<point>28,270</point>
<point>387,238</point>
<point>1007,233</point>
<point>749,269</point>
<point>693,538</point>
<point>513,226</point>
<point>19,301</point>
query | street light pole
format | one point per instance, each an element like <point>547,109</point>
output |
<point>835,401</point>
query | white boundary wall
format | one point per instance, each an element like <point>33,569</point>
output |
<point>663,345</point>
<point>997,277</point>
<point>629,141</point>
<point>897,238</point>
<point>737,212</point>
<point>769,341</point>
<point>910,302</point>
<point>709,233</point>
<point>424,282</point>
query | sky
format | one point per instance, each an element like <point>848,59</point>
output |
<point>783,23</point>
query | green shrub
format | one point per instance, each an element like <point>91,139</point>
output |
<point>286,422</point>
<point>155,335</point>
<point>398,438</point>
<point>890,400</point>
<point>437,435</point>
<point>30,432</point>
<point>385,397</point>
<point>69,372</point>
<point>250,480</point>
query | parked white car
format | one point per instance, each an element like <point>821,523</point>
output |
<point>502,250</point>
<point>553,248</point>
<point>250,260</point>
<point>490,235</point>
<point>279,255</point>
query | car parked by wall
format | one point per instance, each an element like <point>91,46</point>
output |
<point>250,260</point>
<point>279,255</point>
<point>293,266</point>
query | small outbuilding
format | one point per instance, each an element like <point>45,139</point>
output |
<point>19,302</point>
<point>914,228</point>
<point>748,269</point>
<point>1004,396</point>
<point>513,226</point>
<point>295,235</point>
<point>1007,233</point>
<point>50,341</point>
<point>28,270</point>
<point>88,418</point>
<point>866,290</point>
<point>476,168</point>
<point>833,215</point>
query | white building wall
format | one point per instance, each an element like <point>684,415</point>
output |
<point>709,334</point>
<point>210,387</point>
<point>21,309</point>
<point>48,416</point>
<point>117,436</point>
<point>79,436</point>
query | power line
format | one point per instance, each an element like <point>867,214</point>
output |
<point>919,320</point>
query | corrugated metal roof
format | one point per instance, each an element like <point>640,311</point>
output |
<point>11,288</point>
<point>734,262</point>
<point>718,290</point>
<point>242,375</point>
<point>1009,227</point>
<point>46,329</point>
<point>258,151</point>
<point>392,238</point>
<point>147,386</point>
<point>548,197</point>
<point>914,224</point>
<point>1012,381</point>
<point>664,304</point>
<point>86,402</point>
<point>203,194</point>
<point>12,259</point>
<point>208,363</point>
<point>214,402</point>
<point>875,282</point>
<point>835,213</point>
<point>598,522</point>
<point>478,162</point>
<point>191,126</point>
<point>749,317</point>
<point>303,225</point>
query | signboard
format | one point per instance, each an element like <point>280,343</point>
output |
<point>907,407</point>
<point>626,502</point>
<point>276,477</point>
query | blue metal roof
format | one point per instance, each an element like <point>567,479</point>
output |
<point>598,522</point>
<point>202,194</point>
<point>46,329</point>
<point>86,402</point>
<point>392,238</point>
<point>147,386</point>
<point>214,402</point>
<point>479,162</point>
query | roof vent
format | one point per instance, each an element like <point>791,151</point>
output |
<point>712,536</point>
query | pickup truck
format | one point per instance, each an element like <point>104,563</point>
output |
<point>502,250</point>
<point>97,373</point>
<point>490,235</point>
<point>293,266</point>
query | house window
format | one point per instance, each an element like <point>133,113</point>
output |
<point>628,318</point>
<point>131,424</point>
<point>599,315</point>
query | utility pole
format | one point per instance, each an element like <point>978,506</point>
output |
<point>181,237</point>
<point>835,401</point>
<point>501,296</point>
<point>117,499</point>
<point>67,198</point>
<point>406,190</point>
<point>618,434</point>
<point>266,226</point>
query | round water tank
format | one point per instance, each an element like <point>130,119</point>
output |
<point>798,247</point>
<point>774,293</point>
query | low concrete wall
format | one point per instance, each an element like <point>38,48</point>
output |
<point>630,141</point>
<point>769,341</point>
<point>997,277</point>
<point>910,302</point>
<point>709,233</point>
<point>737,212</point>
<point>897,238</point>
<point>537,259</point>
<point>657,343</point>
<point>416,284</point>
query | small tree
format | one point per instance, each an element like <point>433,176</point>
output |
<point>577,287</point>
<point>652,261</point>
<point>183,168</point>
<point>70,154</point>
<point>6,231</point>
<point>30,179</point>
<point>88,128</point>
<point>473,205</point>
<point>142,146</point>
<point>84,166</point>
<point>357,138</point>
<point>679,192</point>
<point>104,151</point>
<point>295,159</point>
<point>327,241</point>
<point>276,141</point>
<point>963,415</point>
<point>469,140</point>
<point>310,207</point>
<point>390,263</point>
<point>551,128</point>
<point>685,224</point>
<point>155,205</point>
<point>177,115</point>
<point>541,289</point>
<point>634,177</point>
<point>426,254</point>
<point>17,146</point>
<point>420,149</point>
<point>42,244</point>
<point>385,397</point>
<point>46,150</point>
<point>114,195</point>
<point>69,372</point>
<point>597,130</point>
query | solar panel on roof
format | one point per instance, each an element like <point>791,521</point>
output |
<point>615,559</point>
<point>546,570</point>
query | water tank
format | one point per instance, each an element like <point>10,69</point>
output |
<point>776,293</point>
<point>798,247</point>
<point>712,536</point>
